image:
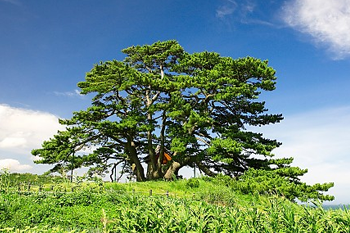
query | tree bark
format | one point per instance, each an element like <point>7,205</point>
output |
<point>162,142</point>
<point>152,163</point>
<point>139,171</point>
<point>172,170</point>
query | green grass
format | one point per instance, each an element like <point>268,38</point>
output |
<point>199,205</point>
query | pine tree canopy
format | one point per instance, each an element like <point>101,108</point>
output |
<point>195,109</point>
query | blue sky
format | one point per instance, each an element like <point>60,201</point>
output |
<point>47,46</point>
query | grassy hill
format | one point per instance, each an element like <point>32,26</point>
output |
<point>194,205</point>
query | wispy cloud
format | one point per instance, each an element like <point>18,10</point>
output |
<point>226,9</point>
<point>13,2</point>
<point>318,140</point>
<point>74,93</point>
<point>327,22</point>
<point>245,12</point>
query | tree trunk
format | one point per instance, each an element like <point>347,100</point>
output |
<point>139,171</point>
<point>172,170</point>
<point>162,141</point>
<point>113,173</point>
<point>152,163</point>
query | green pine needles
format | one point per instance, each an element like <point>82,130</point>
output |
<point>162,109</point>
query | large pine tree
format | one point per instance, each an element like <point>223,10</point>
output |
<point>160,101</point>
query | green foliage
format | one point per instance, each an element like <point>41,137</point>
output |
<point>213,208</point>
<point>5,180</point>
<point>192,183</point>
<point>276,182</point>
<point>195,107</point>
<point>18,178</point>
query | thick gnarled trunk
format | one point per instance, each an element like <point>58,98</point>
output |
<point>138,168</point>
<point>172,171</point>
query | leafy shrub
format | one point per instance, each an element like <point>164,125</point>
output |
<point>192,183</point>
<point>5,180</point>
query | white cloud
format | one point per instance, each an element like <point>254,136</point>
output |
<point>14,2</point>
<point>22,130</point>
<point>229,7</point>
<point>10,142</point>
<point>226,9</point>
<point>319,141</point>
<point>13,165</point>
<point>244,12</point>
<point>69,94</point>
<point>328,22</point>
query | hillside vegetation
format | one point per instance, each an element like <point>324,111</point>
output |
<point>194,205</point>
